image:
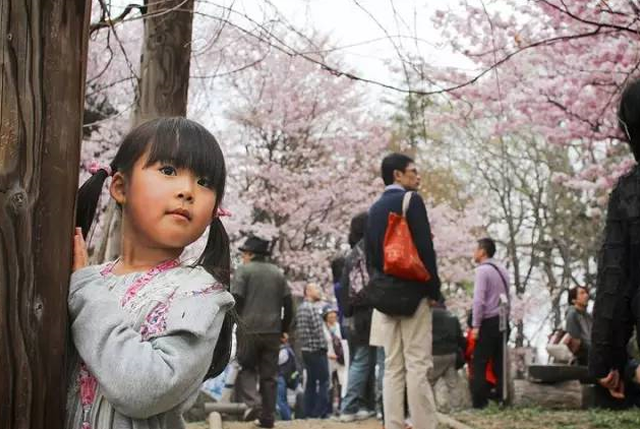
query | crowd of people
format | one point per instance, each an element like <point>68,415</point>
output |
<point>148,327</point>
<point>379,342</point>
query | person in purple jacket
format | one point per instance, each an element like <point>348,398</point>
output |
<point>490,299</point>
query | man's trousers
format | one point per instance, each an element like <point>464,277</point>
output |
<point>316,391</point>
<point>407,347</point>
<point>258,356</point>
<point>489,346</point>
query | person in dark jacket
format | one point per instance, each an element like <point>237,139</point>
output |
<point>449,345</point>
<point>265,307</point>
<point>617,304</point>
<point>337,266</point>
<point>407,340</point>
<point>363,356</point>
<point>448,342</point>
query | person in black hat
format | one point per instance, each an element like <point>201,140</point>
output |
<point>261,293</point>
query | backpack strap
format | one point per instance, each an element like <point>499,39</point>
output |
<point>406,200</point>
<point>504,281</point>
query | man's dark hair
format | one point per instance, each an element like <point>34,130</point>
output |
<point>390,163</point>
<point>337,265</point>
<point>488,245</point>
<point>357,227</point>
<point>573,293</point>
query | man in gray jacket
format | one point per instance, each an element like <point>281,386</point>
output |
<point>261,293</point>
<point>579,323</point>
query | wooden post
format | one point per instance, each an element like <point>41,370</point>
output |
<point>42,76</point>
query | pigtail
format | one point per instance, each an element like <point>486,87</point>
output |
<point>216,259</point>
<point>87,202</point>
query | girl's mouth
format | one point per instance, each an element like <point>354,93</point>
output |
<point>183,213</point>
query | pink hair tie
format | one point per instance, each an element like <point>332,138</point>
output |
<point>95,166</point>
<point>223,213</point>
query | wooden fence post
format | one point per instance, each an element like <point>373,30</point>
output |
<point>43,46</point>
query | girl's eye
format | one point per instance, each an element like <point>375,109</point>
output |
<point>168,170</point>
<point>205,182</point>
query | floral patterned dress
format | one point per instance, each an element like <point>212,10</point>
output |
<point>144,343</point>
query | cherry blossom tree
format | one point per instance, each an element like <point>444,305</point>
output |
<point>305,163</point>
<point>551,67</point>
<point>535,121</point>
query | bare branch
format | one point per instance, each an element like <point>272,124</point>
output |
<point>107,22</point>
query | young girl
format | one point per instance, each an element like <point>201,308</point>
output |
<point>145,326</point>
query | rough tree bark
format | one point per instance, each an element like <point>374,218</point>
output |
<point>163,86</point>
<point>42,74</point>
<point>165,60</point>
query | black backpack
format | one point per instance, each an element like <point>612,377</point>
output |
<point>358,277</point>
<point>393,296</point>
<point>289,370</point>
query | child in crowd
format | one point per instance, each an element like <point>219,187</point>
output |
<point>288,378</point>
<point>149,326</point>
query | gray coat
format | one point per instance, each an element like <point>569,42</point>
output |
<point>148,349</point>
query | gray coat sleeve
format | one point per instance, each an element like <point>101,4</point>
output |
<point>573,325</point>
<point>140,378</point>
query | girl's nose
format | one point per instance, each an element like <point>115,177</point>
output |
<point>185,195</point>
<point>185,191</point>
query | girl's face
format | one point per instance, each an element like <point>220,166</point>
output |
<point>332,318</point>
<point>164,206</point>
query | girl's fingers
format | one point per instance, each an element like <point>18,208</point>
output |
<point>80,255</point>
<point>76,258</point>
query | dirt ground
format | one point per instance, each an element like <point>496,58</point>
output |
<point>492,418</point>
<point>298,424</point>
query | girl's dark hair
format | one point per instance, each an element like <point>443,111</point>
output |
<point>629,116</point>
<point>184,144</point>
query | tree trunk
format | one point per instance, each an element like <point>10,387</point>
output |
<point>164,82</point>
<point>165,60</point>
<point>43,53</point>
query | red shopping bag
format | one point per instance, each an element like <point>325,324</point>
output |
<point>401,257</point>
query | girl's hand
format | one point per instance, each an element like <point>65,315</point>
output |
<point>80,255</point>
<point>333,357</point>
